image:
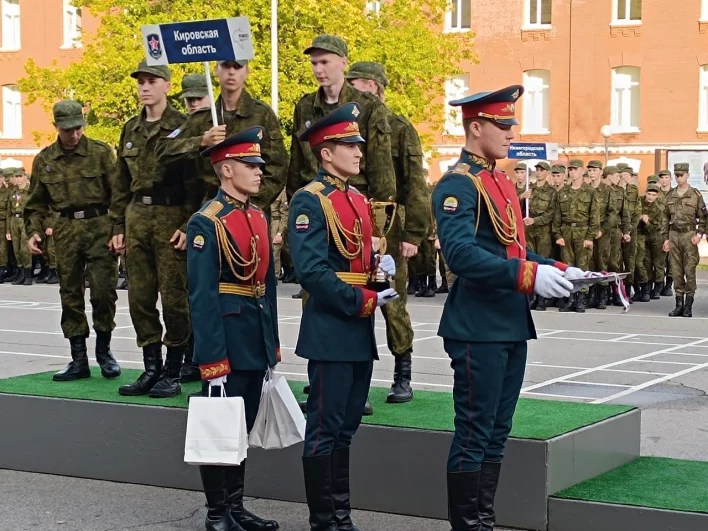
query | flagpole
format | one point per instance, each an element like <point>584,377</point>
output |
<point>274,55</point>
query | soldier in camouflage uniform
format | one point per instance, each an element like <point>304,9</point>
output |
<point>48,275</point>
<point>236,111</point>
<point>684,226</point>
<point>600,258</point>
<point>408,230</point>
<point>4,195</point>
<point>634,206</point>
<point>195,92</point>
<point>665,188</point>
<point>619,228</point>
<point>521,192</point>
<point>278,222</point>
<point>650,255</point>
<point>575,226</point>
<point>542,209</point>
<point>150,207</point>
<point>16,226</point>
<point>72,177</point>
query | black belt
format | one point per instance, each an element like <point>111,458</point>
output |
<point>163,200</point>
<point>86,213</point>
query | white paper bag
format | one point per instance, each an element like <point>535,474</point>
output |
<point>216,430</point>
<point>280,422</point>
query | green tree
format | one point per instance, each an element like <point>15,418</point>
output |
<point>404,35</point>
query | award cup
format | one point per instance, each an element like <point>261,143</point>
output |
<point>383,217</point>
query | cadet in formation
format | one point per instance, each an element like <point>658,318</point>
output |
<point>231,271</point>
<point>665,188</point>
<point>16,227</point>
<point>619,227</point>
<point>278,224</point>
<point>150,207</point>
<point>5,176</point>
<point>600,258</point>
<point>632,202</point>
<point>409,226</point>
<point>195,93</point>
<point>684,226</point>
<point>522,193</point>
<point>331,245</point>
<point>486,321</point>
<point>236,111</point>
<point>73,177</point>
<point>650,255</point>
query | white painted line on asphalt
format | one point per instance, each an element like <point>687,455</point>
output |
<point>669,362</point>
<point>541,364</point>
<point>688,354</point>
<point>603,332</point>
<point>546,334</point>
<point>620,342</point>
<point>557,396</point>
<point>622,338</point>
<point>122,327</point>
<point>598,384</point>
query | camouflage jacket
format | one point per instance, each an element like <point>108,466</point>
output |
<point>139,171</point>
<point>68,180</point>
<point>522,202</point>
<point>655,211</point>
<point>543,205</point>
<point>633,202</point>
<point>619,215</point>
<point>279,215</point>
<point>606,207</point>
<point>683,213</point>
<point>184,144</point>
<point>411,197</point>
<point>577,208</point>
<point>4,194</point>
<point>377,179</point>
<point>16,201</point>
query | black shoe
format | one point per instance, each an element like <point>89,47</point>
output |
<point>463,500</point>
<point>601,297</point>
<point>122,283</point>
<point>19,279</point>
<point>644,293</point>
<point>401,391</point>
<point>688,306</point>
<point>318,491</point>
<point>297,295</point>
<point>78,367</point>
<point>235,481</point>
<point>541,304</point>
<point>412,285</point>
<point>488,481</point>
<point>218,516</point>
<point>443,287</point>
<point>678,311</point>
<point>340,490</point>
<point>290,278</point>
<point>656,292</point>
<point>592,298</point>
<point>666,290</point>
<point>190,371</point>
<point>28,277</point>
<point>580,302</point>
<point>569,304</point>
<point>3,272</point>
<point>637,297</point>
<point>52,278</point>
<point>152,360</point>
<point>169,383</point>
<point>104,356</point>
<point>429,287</point>
<point>43,276</point>
<point>533,302</point>
<point>368,410</point>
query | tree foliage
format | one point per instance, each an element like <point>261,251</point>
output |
<point>404,35</point>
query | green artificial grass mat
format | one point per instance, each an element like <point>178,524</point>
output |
<point>656,482</point>
<point>429,410</point>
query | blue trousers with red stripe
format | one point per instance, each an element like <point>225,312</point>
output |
<point>338,392</point>
<point>487,383</point>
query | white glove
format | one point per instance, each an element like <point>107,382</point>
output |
<point>550,283</point>
<point>221,380</point>
<point>386,296</point>
<point>387,264</point>
<point>574,273</point>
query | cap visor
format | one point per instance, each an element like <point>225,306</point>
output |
<point>71,124</point>
<point>351,140</point>
<point>311,49</point>
<point>194,94</point>
<point>149,72</point>
<point>510,121</point>
<point>250,160</point>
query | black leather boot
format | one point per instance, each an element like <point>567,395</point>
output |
<point>43,275</point>
<point>3,272</point>
<point>218,516</point>
<point>592,297</point>
<point>678,311</point>
<point>340,490</point>
<point>401,391</point>
<point>488,481</point>
<point>443,287</point>
<point>666,291</point>
<point>28,277</point>
<point>152,360</point>
<point>235,484</point>
<point>169,383</point>
<point>541,304</point>
<point>19,279</point>
<point>463,501</point>
<point>644,292</point>
<point>190,371</point>
<point>78,367</point>
<point>368,410</point>
<point>656,292</point>
<point>318,491</point>
<point>637,292</point>
<point>104,356</point>
<point>569,306</point>
<point>688,306</point>
<point>413,285</point>
<point>601,297</point>
<point>52,278</point>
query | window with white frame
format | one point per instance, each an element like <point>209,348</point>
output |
<point>625,99</point>
<point>11,112</point>
<point>10,24</point>
<point>459,16</point>
<point>455,88</point>
<point>537,12</point>
<point>373,7</point>
<point>627,11</point>
<point>537,106</point>
<point>72,25</point>
<point>703,100</point>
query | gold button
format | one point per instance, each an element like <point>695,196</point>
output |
<point>258,237</point>
<point>249,215</point>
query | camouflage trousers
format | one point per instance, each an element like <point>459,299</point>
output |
<point>629,256</point>
<point>423,264</point>
<point>650,258</point>
<point>82,246</point>
<point>277,249</point>
<point>49,252</point>
<point>155,267</point>
<point>539,240</point>
<point>615,263</point>
<point>399,331</point>
<point>4,243</point>
<point>16,228</point>
<point>573,252</point>
<point>684,258</point>
<point>600,258</point>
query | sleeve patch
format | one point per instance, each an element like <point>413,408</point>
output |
<point>198,242</point>
<point>174,133</point>
<point>302,223</point>
<point>450,204</point>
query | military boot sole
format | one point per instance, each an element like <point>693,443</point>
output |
<point>71,377</point>
<point>165,393</point>
<point>133,390</point>
<point>110,374</point>
<point>399,398</point>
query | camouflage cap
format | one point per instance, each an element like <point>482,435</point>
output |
<point>664,172</point>
<point>653,187</point>
<point>328,43</point>
<point>652,179</point>
<point>576,163</point>
<point>543,166</point>
<point>194,86</point>
<point>610,170</point>
<point>19,172</point>
<point>595,164</point>
<point>229,62</point>
<point>622,166</point>
<point>157,71</point>
<point>557,168</point>
<point>6,173</point>
<point>681,166</point>
<point>368,70</point>
<point>68,114</point>
<point>520,166</point>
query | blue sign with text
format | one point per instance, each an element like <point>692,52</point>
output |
<point>530,150</point>
<point>198,41</point>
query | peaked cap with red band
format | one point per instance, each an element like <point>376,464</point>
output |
<point>341,125</point>
<point>498,106</point>
<point>244,146</point>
